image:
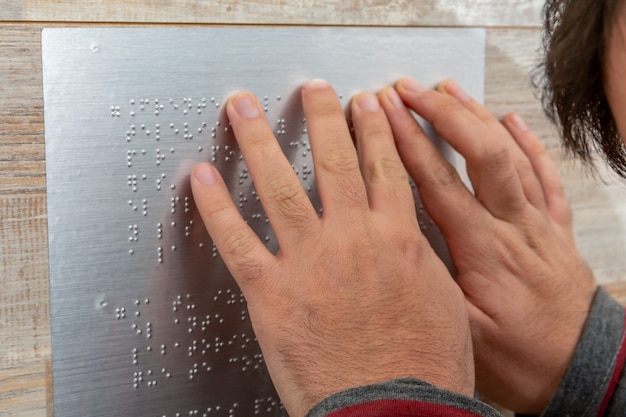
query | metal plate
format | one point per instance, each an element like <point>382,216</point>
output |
<point>146,320</point>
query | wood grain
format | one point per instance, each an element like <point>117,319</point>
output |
<point>10,10</point>
<point>25,377</point>
<point>24,305</point>
<point>300,12</point>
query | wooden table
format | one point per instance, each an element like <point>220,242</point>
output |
<point>512,42</point>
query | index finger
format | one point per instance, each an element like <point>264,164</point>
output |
<point>490,164</point>
<point>447,200</point>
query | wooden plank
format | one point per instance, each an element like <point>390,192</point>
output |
<point>10,10</point>
<point>300,12</point>
<point>24,305</point>
<point>22,165</point>
<point>24,310</point>
<point>618,291</point>
<point>24,291</point>
<point>24,390</point>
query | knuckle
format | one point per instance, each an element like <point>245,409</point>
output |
<point>441,176</point>
<point>290,204</point>
<point>339,161</point>
<point>526,171</point>
<point>238,246</point>
<point>445,175</point>
<point>484,115</point>
<point>451,109</point>
<point>280,192</point>
<point>384,169</point>
<point>497,160</point>
<point>285,197</point>
<point>416,130</point>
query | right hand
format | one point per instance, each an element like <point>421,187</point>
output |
<point>528,291</point>
<point>357,296</point>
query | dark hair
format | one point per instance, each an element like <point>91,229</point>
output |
<point>571,78</point>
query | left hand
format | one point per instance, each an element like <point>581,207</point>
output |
<point>528,291</point>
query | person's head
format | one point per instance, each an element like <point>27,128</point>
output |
<point>583,77</point>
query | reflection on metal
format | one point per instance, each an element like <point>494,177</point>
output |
<point>146,320</point>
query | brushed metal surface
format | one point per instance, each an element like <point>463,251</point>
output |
<point>146,320</point>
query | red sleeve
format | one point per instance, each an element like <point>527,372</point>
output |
<point>617,372</point>
<point>403,397</point>
<point>401,408</point>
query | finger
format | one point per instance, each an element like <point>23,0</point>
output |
<point>243,253</point>
<point>490,163</point>
<point>449,203</point>
<point>288,208</point>
<point>339,181</point>
<point>543,167</point>
<point>530,183</point>
<point>386,179</point>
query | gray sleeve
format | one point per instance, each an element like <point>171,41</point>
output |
<point>595,379</point>
<point>419,398</point>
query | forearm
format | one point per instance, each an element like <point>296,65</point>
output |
<point>400,398</point>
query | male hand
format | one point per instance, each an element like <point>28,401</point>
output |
<point>528,291</point>
<point>354,297</point>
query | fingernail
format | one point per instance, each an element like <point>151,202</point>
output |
<point>205,174</point>
<point>394,98</point>
<point>412,85</point>
<point>518,122</point>
<point>368,102</point>
<point>246,107</point>
<point>455,90</point>
<point>315,84</point>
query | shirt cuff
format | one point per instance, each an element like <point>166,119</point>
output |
<point>406,397</point>
<point>594,384</point>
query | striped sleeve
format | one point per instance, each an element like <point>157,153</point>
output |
<point>594,384</point>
